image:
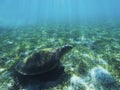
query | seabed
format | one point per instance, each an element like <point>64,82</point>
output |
<point>92,64</point>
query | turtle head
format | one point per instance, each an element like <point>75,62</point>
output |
<point>65,49</point>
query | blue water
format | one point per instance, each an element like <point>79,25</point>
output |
<point>25,12</point>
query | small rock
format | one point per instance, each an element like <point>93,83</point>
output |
<point>102,76</point>
<point>77,83</point>
<point>9,42</point>
<point>2,69</point>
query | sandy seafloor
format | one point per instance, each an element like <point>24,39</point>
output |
<point>92,64</point>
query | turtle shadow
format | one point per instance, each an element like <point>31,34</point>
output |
<point>42,81</point>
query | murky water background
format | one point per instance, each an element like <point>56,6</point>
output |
<point>27,12</point>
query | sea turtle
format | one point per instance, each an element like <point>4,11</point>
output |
<point>42,61</point>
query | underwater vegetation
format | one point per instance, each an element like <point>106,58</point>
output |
<point>92,64</point>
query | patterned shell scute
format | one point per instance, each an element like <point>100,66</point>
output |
<point>39,62</point>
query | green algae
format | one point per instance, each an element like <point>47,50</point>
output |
<point>94,45</point>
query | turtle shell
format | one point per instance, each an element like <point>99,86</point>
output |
<point>41,61</point>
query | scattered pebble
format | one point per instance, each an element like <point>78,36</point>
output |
<point>2,69</point>
<point>9,42</point>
